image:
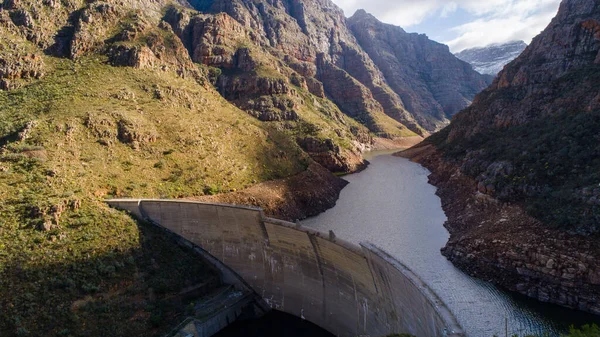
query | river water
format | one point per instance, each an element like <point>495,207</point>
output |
<point>392,206</point>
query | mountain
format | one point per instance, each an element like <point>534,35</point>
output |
<point>255,102</point>
<point>432,83</point>
<point>305,41</point>
<point>314,39</point>
<point>491,59</point>
<point>518,170</point>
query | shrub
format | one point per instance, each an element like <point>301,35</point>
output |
<point>551,166</point>
<point>585,331</point>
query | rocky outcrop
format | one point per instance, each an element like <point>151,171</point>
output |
<point>517,170</point>
<point>90,26</point>
<point>295,198</point>
<point>331,156</point>
<point>432,83</point>
<point>19,65</point>
<point>142,45</point>
<point>211,39</point>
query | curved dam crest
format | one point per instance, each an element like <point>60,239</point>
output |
<point>346,289</point>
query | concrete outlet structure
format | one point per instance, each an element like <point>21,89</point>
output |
<point>346,289</point>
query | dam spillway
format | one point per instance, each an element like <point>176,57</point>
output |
<point>346,289</point>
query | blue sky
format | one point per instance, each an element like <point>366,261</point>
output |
<point>462,24</point>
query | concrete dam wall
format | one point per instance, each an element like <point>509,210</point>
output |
<point>346,289</point>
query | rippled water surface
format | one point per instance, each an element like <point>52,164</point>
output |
<point>391,205</point>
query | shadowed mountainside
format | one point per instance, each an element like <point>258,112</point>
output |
<point>433,84</point>
<point>518,170</point>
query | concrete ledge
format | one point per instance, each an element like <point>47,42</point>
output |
<point>346,289</point>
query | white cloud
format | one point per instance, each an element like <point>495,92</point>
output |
<point>482,32</point>
<point>400,12</point>
<point>491,21</point>
<point>448,9</point>
<point>516,20</point>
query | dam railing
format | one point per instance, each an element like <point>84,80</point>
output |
<point>347,289</point>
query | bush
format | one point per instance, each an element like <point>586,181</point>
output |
<point>585,331</point>
<point>551,165</point>
<point>211,190</point>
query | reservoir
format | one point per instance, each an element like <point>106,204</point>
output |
<point>391,205</point>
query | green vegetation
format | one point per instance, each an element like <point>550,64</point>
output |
<point>554,171</point>
<point>585,331</point>
<point>69,265</point>
<point>97,273</point>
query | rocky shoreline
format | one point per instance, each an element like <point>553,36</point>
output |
<point>306,194</point>
<point>500,243</point>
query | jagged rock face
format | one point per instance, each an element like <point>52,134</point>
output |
<point>313,38</point>
<point>211,39</point>
<point>350,95</point>
<point>491,59</point>
<point>331,156</point>
<point>160,50</point>
<point>264,97</point>
<point>415,90</point>
<point>433,84</point>
<point>91,23</point>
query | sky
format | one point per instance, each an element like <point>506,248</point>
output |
<point>462,24</point>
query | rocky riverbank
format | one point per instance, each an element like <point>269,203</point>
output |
<point>308,193</point>
<point>500,243</point>
<point>298,197</point>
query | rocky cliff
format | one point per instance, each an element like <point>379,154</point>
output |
<point>491,59</point>
<point>335,58</point>
<point>518,169</point>
<point>432,83</point>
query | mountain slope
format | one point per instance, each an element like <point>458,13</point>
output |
<point>523,159</point>
<point>492,59</point>
<point>311,38</point>
<point>432,83</point>
<point>314,38</point>
<point>104,101</point>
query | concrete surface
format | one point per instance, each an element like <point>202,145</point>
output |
<point>346,289</point>
<point>217,312</point>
